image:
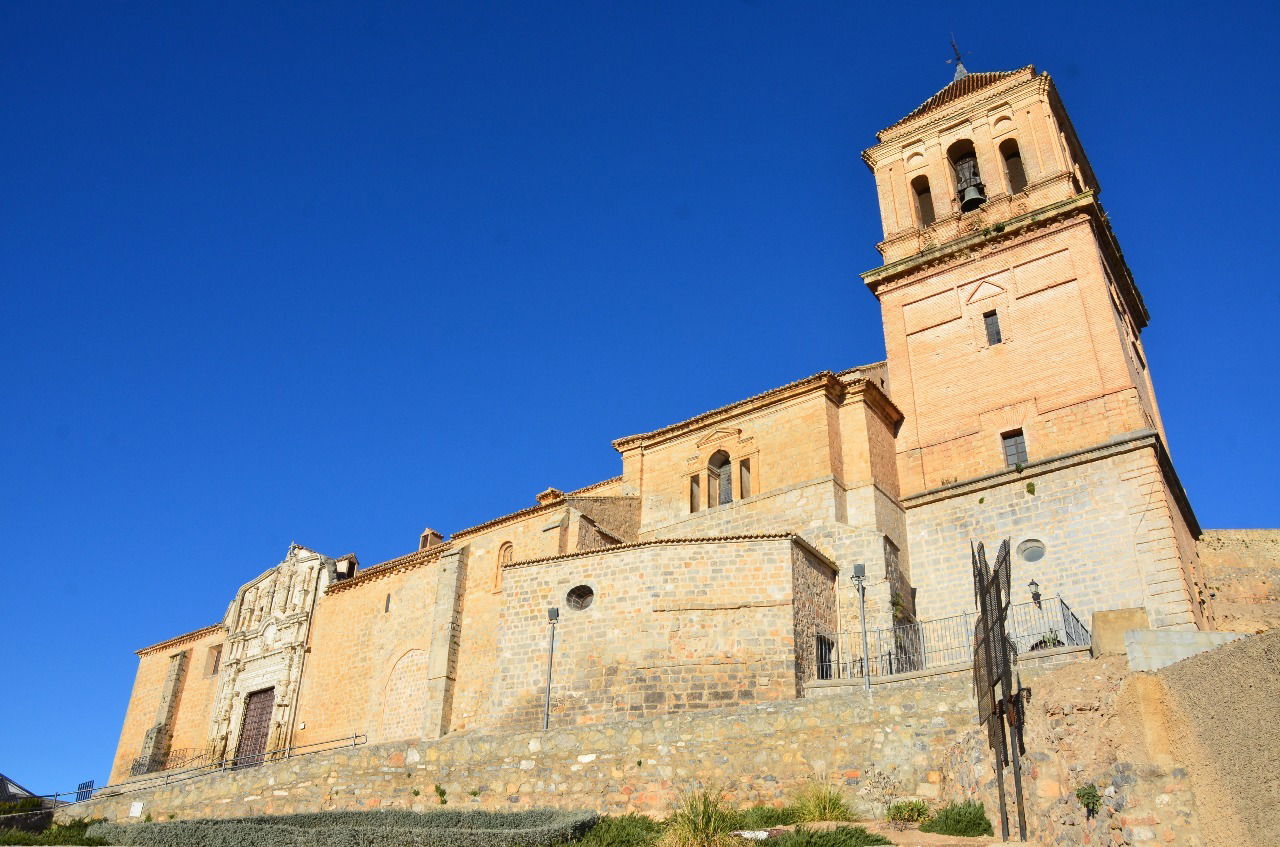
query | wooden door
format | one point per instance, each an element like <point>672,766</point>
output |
<point>255,728</point>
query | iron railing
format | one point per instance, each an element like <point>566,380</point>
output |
<point>168,777</point>
<point>949,641</point>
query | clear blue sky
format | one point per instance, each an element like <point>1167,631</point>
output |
<point>331,272</point>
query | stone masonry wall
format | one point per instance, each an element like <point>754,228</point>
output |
<point>760,753</point>
<point>1104,524</point>
<point>707,623</point>
<point>193,706</point>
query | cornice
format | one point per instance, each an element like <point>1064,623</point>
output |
<point>876,400</point>
<point>179,640</point>
<point>964,248</point>
<point>825,380</point>
<point>394,566</point>
<point>675,542</point>
<point>1138,440</point>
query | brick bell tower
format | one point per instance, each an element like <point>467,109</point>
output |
<point>1012,330</point>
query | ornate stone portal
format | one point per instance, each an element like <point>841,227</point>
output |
<point>267,627</point>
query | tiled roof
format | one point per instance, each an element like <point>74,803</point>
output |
<point>177,639</point>
<point>956,89</point>
<point>400,563</point>
<point>593,486</point>
<point>815,379</point>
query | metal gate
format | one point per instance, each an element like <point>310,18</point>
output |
<point>255,728</point>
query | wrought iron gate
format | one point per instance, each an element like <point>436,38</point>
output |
<point>255,728</point>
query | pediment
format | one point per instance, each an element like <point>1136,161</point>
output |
<point>719,435</point>
<point>985,289</point>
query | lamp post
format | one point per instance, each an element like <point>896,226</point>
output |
<point>860,580</point>
<point>1035,592</point>
<point>553,614</point>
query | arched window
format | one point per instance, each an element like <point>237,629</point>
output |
<point>505,552</point>
<point>1013,170</point>
<point>924,200</point>
<point>720,479</point>
<point>969,188</point>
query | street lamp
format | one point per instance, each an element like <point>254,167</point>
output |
<point>1035,592</point>
<point>553,615</point>
<point>860,580</point>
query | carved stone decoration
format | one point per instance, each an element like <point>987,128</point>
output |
<point>268,622</point>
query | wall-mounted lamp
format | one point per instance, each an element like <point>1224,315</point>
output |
<point>860,580</point>
<point>553,614</point>
<point>1035,592</point>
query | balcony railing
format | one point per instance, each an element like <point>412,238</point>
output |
<point>949,641</point>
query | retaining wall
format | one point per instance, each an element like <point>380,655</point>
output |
<point>875,751</point>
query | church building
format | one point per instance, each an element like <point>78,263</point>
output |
<point>717,568</point>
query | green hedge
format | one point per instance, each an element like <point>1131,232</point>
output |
<point>842,836</point>
<point>537,828</point>
<point>968,819</point>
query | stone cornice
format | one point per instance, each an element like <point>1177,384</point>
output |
<point>394,566</point>
<point>1139,440</point>
<point>674,542</point>
<point>876,400</point>
<point>1002,234</point>
<point>962,249</point>
<point>837,388</point>
<point>179,640</point>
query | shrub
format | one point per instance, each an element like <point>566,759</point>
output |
<point>904,812</point>
<point>700,819</point>
<point>765,817</point>
<point>841,836</point>
<point>474,828</point>
<point>22,804</point>
<point>968,819</point>
<point>70,833</point>
<point>626,831</point>
<point>1089,798</point>
<point>818,802</point>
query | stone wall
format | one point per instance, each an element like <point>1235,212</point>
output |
<point>1151,650</point>
<point>1242,569</point>
<point>1104,519</point>
<point>192,705</point>
<point>707,623</point>
<point>760,753</point>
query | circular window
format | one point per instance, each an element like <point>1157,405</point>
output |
<point>580,598</point>
<point>1031,550</point>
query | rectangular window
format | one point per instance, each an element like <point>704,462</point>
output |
<point>992,322</point>
<point>1015,448</point>
<point>744,481</point>
<point>213,660</point>
<point>387,608</point>
<point>695,493</point>
<point>826,656</point>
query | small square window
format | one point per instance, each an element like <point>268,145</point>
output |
<point>992,322</point>
<point>1015,448</point>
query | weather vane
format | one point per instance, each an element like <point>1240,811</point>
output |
<point>961,70</point>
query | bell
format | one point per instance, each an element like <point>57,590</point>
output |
<point>971,198</point>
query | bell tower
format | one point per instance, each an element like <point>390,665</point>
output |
<point>1012,331</point>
